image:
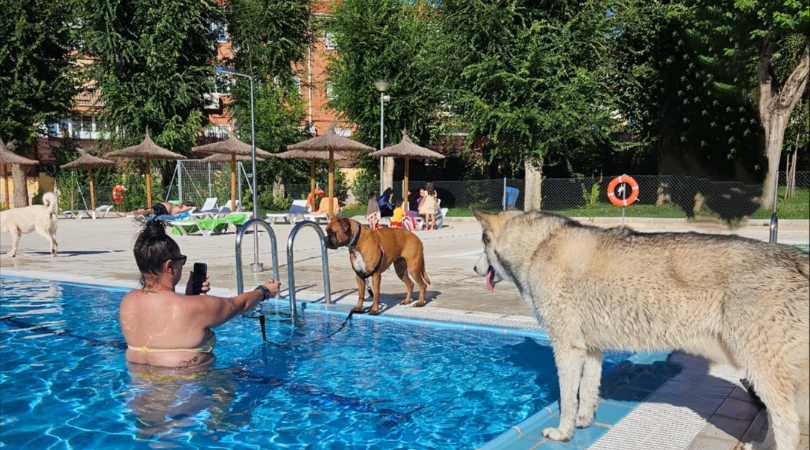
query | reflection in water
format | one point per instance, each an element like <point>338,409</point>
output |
<point>168,402</point>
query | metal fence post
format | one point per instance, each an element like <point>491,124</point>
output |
<point>774,218</point>
<point>504,194</point>
<point>180,180</point>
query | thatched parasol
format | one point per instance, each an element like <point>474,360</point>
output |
<point>224,158</point>
<point>311,155</point>
<point>9,157</point>
<point>330,142</point>
<point>407,149</point>
<point>89,162</point>
<point>233,147</point>
<point>147,150</point>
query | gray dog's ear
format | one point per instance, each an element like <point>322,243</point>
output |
<point>480,215</point>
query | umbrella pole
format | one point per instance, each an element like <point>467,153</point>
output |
<point>5,171</point>
<point>312,183</point>
<point>405,188</point>
<point>148,184</point>
<point>331,181</point>
<point>233,181</point>
<point>92,191</point>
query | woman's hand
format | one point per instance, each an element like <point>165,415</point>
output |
<point>273,286</point>
<point>206,286</point>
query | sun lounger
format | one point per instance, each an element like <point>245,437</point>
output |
<point>208,208</point>
<point>323,210</point>
<point>207,227</point>
<point>296,211</point>
<point>99,212</point>
<point>165,218</point>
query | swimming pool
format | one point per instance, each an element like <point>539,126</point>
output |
<point>373,384</point>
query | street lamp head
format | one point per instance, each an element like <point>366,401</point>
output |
<point>382,85</point>
<point>230,71</point>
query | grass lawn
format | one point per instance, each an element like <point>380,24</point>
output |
<point>795,208</point>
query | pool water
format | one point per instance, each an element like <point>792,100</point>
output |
<point>373,384</point>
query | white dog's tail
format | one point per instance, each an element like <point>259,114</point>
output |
<point>51,202</point>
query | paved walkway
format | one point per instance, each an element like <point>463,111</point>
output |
<point>96,250</point>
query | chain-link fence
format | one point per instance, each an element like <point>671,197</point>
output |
<point>659,195</point>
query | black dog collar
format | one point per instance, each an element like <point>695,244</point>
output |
<point>356,234</point>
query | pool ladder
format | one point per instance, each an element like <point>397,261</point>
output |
<point>240,284</point>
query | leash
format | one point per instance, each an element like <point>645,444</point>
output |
<point>315,341</point>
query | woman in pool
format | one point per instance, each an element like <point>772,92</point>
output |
<point>166,329</point>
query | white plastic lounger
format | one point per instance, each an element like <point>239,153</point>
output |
<point>296,211</point>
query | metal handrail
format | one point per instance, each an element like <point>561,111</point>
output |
<point>291,269</point>
<point>240,283</point>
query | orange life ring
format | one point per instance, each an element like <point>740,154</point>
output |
<point>311,200</point>
<point>118,194</point>
<point>628,180</point>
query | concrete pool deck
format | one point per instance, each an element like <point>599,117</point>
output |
<point>677,414</point>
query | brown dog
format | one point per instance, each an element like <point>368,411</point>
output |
<point>371,252</point>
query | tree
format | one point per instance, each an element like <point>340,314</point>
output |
<point>153,62</point>
<point>37,79</point>
<point>397,41</point>
<point>756,36</point>
<point>534,79</point>
<point>270,37</point>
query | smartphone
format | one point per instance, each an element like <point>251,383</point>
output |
<point>200,273</point>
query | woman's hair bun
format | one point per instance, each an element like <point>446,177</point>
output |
<point>154,229</point>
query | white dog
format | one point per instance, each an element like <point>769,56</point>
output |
<point>42,218</point>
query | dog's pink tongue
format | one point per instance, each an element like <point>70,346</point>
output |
<point>490,286</point>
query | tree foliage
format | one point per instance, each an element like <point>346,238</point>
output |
<point>534,77</point>
<point>269,38</point>
<point>37,78</point>
<point>397,41</point>
<point>153,63</point>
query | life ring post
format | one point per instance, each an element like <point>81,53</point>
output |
<point>118,194</point>
<point>625,201</point>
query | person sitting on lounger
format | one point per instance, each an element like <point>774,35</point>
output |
<point>161,209</point>
<point>166,329</point>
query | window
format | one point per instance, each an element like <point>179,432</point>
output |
<point>86,127</point>
<point>217,131</point>
<point>221,30</point>
<point>297,83</point>
<point>330,90</point>
<point>221,84</point>
<point>329,41</point>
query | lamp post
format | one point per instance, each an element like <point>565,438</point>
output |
<point>382,86</point>
<point>256,266</point>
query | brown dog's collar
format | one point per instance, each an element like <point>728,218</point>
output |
<point>355,235</point>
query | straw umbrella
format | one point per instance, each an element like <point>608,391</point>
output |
<point>89,162</point>
<point>311,156</point>
<point>330,142</point>
<point>233,147</point>
<point>9,157</point>
<point>147,150</point>
<point>407,149</point>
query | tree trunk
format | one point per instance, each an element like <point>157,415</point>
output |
<point>533,184</point>
<point>388,171</point>
<point>775,105</point>
<point>20,186</point>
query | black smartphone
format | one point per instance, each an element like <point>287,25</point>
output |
<point>200,273</point>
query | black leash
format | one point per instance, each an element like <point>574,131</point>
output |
<point>262,323</point>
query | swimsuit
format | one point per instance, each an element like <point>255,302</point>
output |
<point>206,347</point>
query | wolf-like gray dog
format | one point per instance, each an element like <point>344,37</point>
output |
<point>732,300</point>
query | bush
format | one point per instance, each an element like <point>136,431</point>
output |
<point>364,184</point>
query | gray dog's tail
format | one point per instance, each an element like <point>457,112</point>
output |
<point>51,202</point>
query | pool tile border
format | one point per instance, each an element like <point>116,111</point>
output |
<point>610,411</point>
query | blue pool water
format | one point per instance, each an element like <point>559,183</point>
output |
<point>374,384</point>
